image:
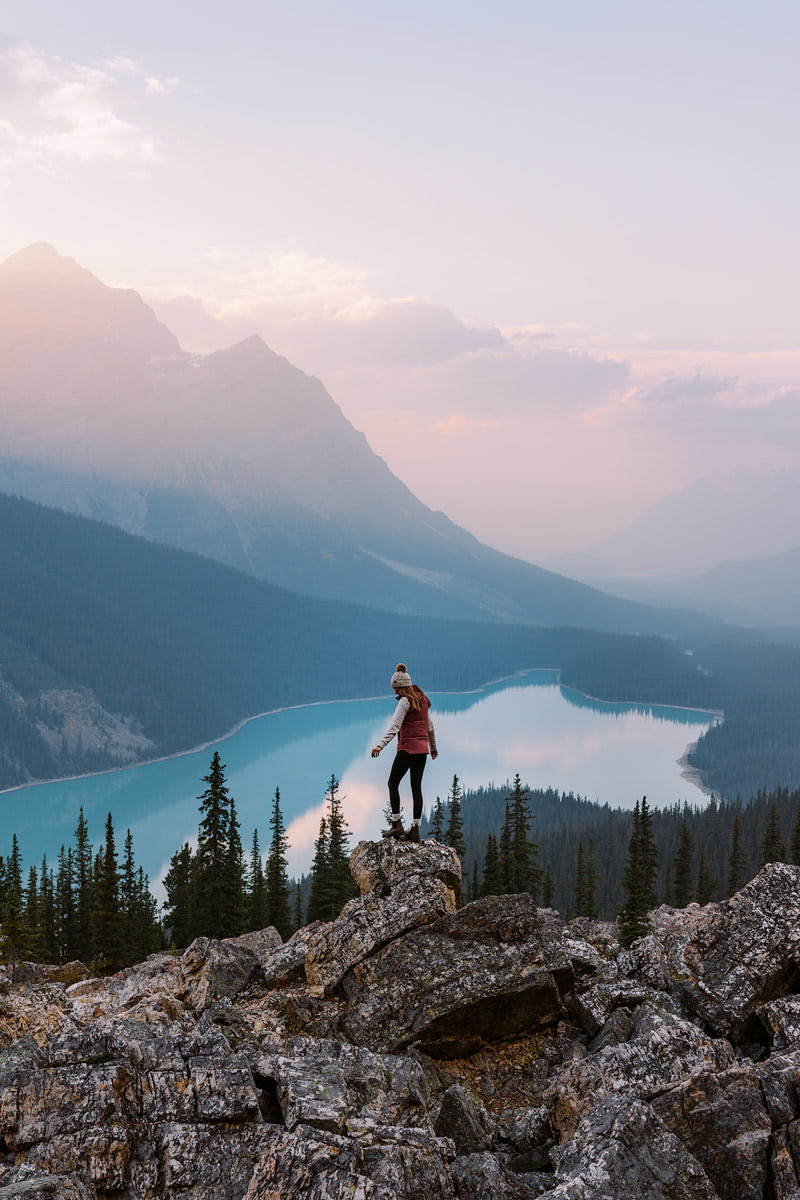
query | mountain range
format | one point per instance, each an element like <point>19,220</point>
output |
<point>242,457</point>
<point>686,533</point>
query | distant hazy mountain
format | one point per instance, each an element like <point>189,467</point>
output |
<point>237,455</point>
<point>114,649</point>
<point>689,532</point>
<point>759,591</point>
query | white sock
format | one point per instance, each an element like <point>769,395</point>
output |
<point>415,822</point>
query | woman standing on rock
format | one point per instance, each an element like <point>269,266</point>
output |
<point>415,739</point>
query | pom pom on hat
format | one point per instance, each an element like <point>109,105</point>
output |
<point>401,677</point>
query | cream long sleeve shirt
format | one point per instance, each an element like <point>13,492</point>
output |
<point>393,728</point>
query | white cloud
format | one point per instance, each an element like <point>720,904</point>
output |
<point>457,424</point>
<point>68,112</point>
<point>160,87</point>
<point>285,279</point>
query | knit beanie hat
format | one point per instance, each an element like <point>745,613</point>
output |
<point>401,677</point>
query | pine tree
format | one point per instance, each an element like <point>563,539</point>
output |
<point>178,885</point>
<point>256,889</point>
<point>277,880</point>
<point>66,921</point>
<point>684,860</point>
<point>211,903</point>
<point>148,935</point>
<point>437,821</point>
<point>492,882</point>
<point>15,932</point>
<point>548,889</point>
<point>128,902</point>
<point>586,883</point>
<point>318,901</point>
<point>579,890</point>
<point>639,878</point>
<point>706,886</point>
<point>525,875</point>
<point>80,935</point>
<point>49,942</point>
<point>504,851</point>
<point>455,826</point>
<point>590,883</point>
<point>648,854</point>
<point>737,863</point>
<point>475,889</point>
<point>33,916</point>
<point>107,927</point>
<point>669,896</point>
<point>773,847</point>
<point>298,906</point>
<point>340,885</point>
<point>234,901</point>
<point>794,849</point>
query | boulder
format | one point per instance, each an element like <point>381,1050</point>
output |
<point>309,1164</point>
<point>783,1172</point>
<point>381,866</point>
<point>46,1187</point>
<point>727,959</point>
<point>492,970</point>
<point>623,1150</point>
<point>212,969</point>
<point>287,963</point>
<point>592,1007</point>
<point>721,1119</point>
<point>369,922</point>
<point>261,941</point>
<point>781,1021</point>
<point>465,1121</point>
<point>663,1051</point>
<point>481,1175</point>
<point>330,1085</point>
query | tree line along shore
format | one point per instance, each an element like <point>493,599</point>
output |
<point>96,906</point>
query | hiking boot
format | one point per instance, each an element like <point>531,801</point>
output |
<point>395,830</point>
<point>412,834</point>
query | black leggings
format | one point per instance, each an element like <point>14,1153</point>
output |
<point>415,763</point>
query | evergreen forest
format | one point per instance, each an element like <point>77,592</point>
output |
<point>579,857</point>
<point>180,649</point>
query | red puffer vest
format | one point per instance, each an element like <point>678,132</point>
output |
<point>413,735</point>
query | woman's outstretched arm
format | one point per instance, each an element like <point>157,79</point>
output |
<point>393,728</point>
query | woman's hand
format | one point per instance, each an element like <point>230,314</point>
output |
<point>434,753</point>
<point>376,751</point>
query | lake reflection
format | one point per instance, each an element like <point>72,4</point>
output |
<point>551,735</point>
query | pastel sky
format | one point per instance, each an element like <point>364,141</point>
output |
<point>544,254</point>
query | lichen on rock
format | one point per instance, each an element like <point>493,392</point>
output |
<point>413,1049</point>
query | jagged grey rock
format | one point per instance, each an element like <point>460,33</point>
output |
<point>662,1051</point>
<point>781,1020</point>
<point>369,922</point>
<point>623,1150</point>
<point>287,963</point>
<point>439,1058</point>
<point>325,1084</point>
<point>478,1176</point>
<point>492,970</point>
<point>46,1187</point>
<point>726,959</point>
<point>381,866</point>
<point>464,1121</point>
<point>721,1119</point>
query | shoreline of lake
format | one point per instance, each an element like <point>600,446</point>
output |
<point>178,754</point>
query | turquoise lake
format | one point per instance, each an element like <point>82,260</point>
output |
<point>553,736</point>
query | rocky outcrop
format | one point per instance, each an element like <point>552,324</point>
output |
<point>414,1049</point>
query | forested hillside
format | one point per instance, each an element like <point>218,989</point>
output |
<point>113,650</point>
<point>769,830</point>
